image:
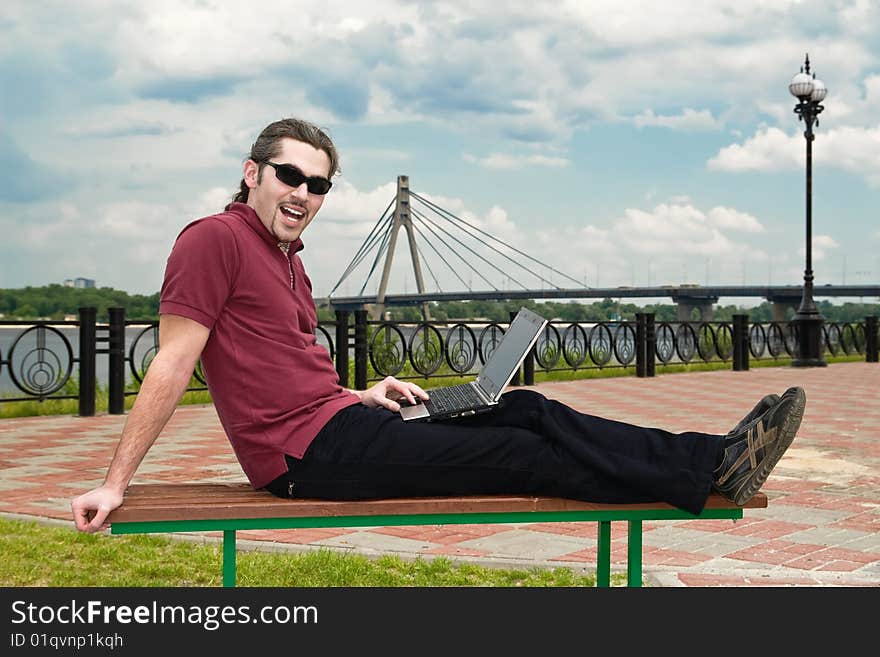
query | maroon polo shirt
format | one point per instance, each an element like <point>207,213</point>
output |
<point>272,384</point>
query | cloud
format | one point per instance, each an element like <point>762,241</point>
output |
<point>121,244</point>
<point>140,104</point>
<point>507,161</point>
<point>27,183</point>
<point>770,149</point>
<point>348,205</point>
<point>124,129</point>
<point>821,245</point>
<point>671,228</point>
<point>850,148</point>
<point>188,90</point>
<point>346,99</point>
<point>722,217</point>
<point>533,74</point>
<point>689,119</point>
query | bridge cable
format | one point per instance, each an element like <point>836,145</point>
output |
<point>439,209</point>
<point>494,250</point>
<point>383,247</point>
<point>485,260</point>
<point>430,243</point>
<point>378,236</point>
<point>418,214</point>
<point>454,252</point>
<point>427,264</point>
<point>439,255</point>
<point>364,248</point>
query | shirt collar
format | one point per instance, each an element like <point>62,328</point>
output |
<point>249,216</point>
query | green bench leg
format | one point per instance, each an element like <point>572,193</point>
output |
<point>633,557</point>
<point>603,558</point>
<point>228,557</point>
<point>634,554</point>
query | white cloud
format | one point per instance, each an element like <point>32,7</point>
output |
<point>722,217</point>
<point>506,161</point>
<point>850,148</point>
<point>769,149</point>
<point>821,245</point>
<point>348,205</point>
<point>670,229</point>
<point>689,119</point>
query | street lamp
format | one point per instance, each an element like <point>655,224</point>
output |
<point>808,321</point>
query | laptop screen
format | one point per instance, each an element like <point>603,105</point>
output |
<point>518,339</point>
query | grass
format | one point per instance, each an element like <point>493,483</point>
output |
<point>37,554</point>
<point>71,406</point>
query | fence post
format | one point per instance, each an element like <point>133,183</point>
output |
<point>871,340</point>
<point>360,349</point>
<point>342,347</point>
<point>116,359</point>
<point>650,344</point>
<point>515,381</point>
<point>740,343</point>
<point>640,345</point>
<point>87,335</point>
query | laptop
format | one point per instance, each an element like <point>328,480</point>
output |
<point>482,394</point>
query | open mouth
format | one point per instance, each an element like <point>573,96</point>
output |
<point>292,213</point>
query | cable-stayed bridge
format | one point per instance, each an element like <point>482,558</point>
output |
<point>450,248</point>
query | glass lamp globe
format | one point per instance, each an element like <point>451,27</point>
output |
<point>801,85</point>
<point>819,91</point>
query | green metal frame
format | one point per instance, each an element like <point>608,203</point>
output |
<point>604,517</point>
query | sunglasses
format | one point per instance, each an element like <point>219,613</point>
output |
<point>291,175</point>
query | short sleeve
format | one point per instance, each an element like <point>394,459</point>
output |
<point>201,272</point>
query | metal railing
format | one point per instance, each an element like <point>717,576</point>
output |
<point>38,362</point>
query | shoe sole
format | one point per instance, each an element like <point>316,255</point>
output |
<point>788,431</point>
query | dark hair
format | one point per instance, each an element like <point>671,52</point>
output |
<point>268,145</point>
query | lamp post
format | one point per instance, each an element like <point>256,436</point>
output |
<point>808,321</point>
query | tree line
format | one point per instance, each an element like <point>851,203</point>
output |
<point>614,309</point>
<point>56,302</point>
<point>59,302</point>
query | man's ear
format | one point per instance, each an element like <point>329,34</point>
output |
<point>251,173</point>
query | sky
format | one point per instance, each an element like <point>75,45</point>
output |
<point>602,143</point>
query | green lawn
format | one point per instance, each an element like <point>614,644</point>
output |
<point>37,554</point>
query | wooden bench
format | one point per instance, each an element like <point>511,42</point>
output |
<point>155,508</point>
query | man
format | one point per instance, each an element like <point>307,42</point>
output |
<point>237,296</point>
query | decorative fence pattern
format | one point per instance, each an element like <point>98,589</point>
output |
<point>39,360</point>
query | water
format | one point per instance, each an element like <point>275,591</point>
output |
<point>39,368</point>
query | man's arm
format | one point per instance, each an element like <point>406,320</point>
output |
<point>181,341</point>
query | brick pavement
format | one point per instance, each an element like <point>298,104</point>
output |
<point>822,527</point>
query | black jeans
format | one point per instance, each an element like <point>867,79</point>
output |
<point>528,445</point>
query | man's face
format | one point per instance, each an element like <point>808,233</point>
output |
<point>284,210</point>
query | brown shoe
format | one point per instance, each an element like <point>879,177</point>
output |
<point>760,408</point>
<point>753,451</point>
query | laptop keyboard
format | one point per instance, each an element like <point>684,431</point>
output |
<point>452,398</point>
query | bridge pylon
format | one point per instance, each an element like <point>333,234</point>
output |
<point>401,218</point>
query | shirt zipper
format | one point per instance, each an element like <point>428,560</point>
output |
<point>285,251</point>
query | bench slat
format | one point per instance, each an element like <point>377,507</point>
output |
<point>222,501</point>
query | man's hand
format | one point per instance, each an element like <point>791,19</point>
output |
<point>389,392</point>
<point>91,509</point>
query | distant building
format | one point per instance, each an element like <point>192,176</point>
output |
<point>79,282</point>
